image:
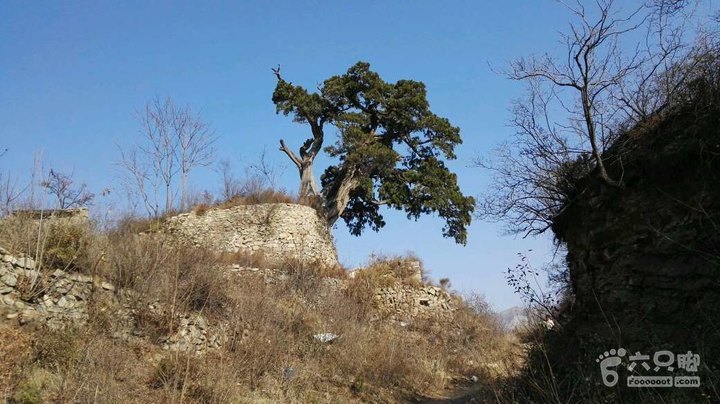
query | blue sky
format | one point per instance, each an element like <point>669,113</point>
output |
<point>72,73</point>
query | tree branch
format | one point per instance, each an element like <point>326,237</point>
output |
<point>276,72</point>
<point>290,153</point>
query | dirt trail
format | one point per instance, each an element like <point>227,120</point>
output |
<point>476,393</point>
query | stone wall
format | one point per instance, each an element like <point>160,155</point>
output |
<point>407,299</point>
<point>74,215</point>
<point>60,299</point>
<point>644,259</point>
<point>279,230</point>
<point>405,302</point>
<point>409,296</point>
<point>57,299</point>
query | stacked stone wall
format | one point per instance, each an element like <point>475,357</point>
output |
<point>279,230</point>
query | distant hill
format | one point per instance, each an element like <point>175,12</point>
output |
<point>514,317</point>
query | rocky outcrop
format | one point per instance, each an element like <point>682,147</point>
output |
<point>279,230</point>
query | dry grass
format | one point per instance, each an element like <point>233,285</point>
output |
<point>84,365</point>
<point>270,354</point>
<point>246,259</point>
<point>154,268</point>
<point>15,352</point>
<point>51,242</point>
<point>385,271</point>
<point>136,225</point>
<point>267,195</point>
<point>257,194</point>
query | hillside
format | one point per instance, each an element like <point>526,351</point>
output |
<point>148,316</point>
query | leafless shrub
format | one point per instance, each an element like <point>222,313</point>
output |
<point>11,192</point>
<point>578,103</point>
<point>61,187</point>
<point>230,185</point>
<point>82,365</point>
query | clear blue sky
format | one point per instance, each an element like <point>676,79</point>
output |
<point>72,73</point>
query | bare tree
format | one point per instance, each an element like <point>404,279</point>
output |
<point>231,186</point>
<point>61,187</point>
<point>668,60</point>
<point>534,172</point>
<point>10,192</point>
<point>195,141</point>
<point>138,181</point>
<point>160,145</point>
<point>269,173</point>
<point>598,69</point>
<point>577,104</point>
<point>174,141</point>
<point>257,177</point>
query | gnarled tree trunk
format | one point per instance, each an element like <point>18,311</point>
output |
<point>337,197</point>
<point>308,185</point>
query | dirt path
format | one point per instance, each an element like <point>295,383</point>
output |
<point>476,393</point>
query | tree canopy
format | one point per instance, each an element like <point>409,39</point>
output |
<point>390,151</point>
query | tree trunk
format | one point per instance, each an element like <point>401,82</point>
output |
<point>168,198</point>
<point>308,185</point>
<point>331,203</point>
<point>183,175</point>
<point>183,191</point>
<point>590,125</point>
<point>338,197</point>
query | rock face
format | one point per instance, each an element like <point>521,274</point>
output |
<point>280,230</point>
<point>644,260</point>
<point>515,317</point>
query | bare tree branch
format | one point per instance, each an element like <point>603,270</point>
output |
<point>174,140</point>
<point>294,158</point>
<point>61,186</point>
<point>577,104</point>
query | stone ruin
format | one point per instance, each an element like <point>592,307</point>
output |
<point>278,230</point>
<point>59,299</point>
<point>405,302</point>
<point>78,216</point>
